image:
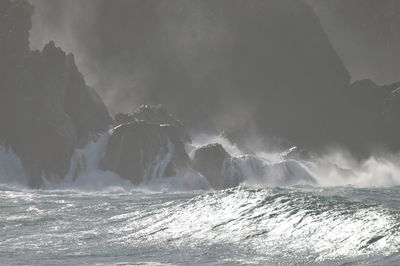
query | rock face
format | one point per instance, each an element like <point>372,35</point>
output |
<point>156,114</point>
<point>47,108</point>
<point>371,117</point>
<point>209,161</point>
<point>141,151</point>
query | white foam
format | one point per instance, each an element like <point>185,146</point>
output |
<point>264,169</point>
<point>11,171</point>
<point>340,169</point>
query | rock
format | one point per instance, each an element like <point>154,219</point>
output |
<point>46,108</point>
<point>15,23</point>
<point>53,112</point>
<point>83,105</point>
<point>224,171</point>
<point>388,118</point>
<point>141,151</point>
<point>209,161</point>
<point>121,118</point>
<point>156,114</point>
<point>370,120</point>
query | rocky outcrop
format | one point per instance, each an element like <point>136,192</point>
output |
<point>141,151</point>
<point>47,108</point>
<point>156,114</point>
<point>224,171</point>
<point>370,121</point>
<point>209,161</point>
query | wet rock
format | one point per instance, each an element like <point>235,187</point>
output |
<point>53,112</point>
<point>156,114</point>
<point>141,151</point>
<point>209,161</point>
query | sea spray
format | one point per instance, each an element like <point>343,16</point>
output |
<point>262,170</point>
<point>11,170</point>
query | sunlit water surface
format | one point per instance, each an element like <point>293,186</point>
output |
<point>244,225</point>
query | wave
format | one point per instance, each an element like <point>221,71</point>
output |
<point>286,226</point>
<point>261,169</point>
<point>292,223</point>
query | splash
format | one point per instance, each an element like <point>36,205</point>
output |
<point>12,172</point>
<point>260,170</point>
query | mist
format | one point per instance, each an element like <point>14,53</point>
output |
<point>214,64</point>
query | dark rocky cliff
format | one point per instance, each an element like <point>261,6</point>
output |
<point>47,110</point>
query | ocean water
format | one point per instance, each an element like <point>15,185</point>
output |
<point>331,211</point>
<point>238,226</point>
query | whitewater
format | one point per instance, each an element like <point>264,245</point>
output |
<point>328,211</point>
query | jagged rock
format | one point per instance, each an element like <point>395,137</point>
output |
<point>140,151</point>
<point>209,161</point>
<point>53,112</point>
<point>15,23</point>
<point>47,110</point>
<point>156,114</point>
<point>83,105</point>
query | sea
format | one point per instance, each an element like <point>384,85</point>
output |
<point>100,219</point>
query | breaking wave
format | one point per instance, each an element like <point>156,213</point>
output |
<point>285,212</point>
<point>261,170</point>
<point>242,225</point>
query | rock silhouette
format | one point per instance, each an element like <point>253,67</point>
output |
<point>141,151</point>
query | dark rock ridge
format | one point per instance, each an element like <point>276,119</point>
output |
<point>140,151</point>
<point>156,114</point>
<point>47,108</point>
